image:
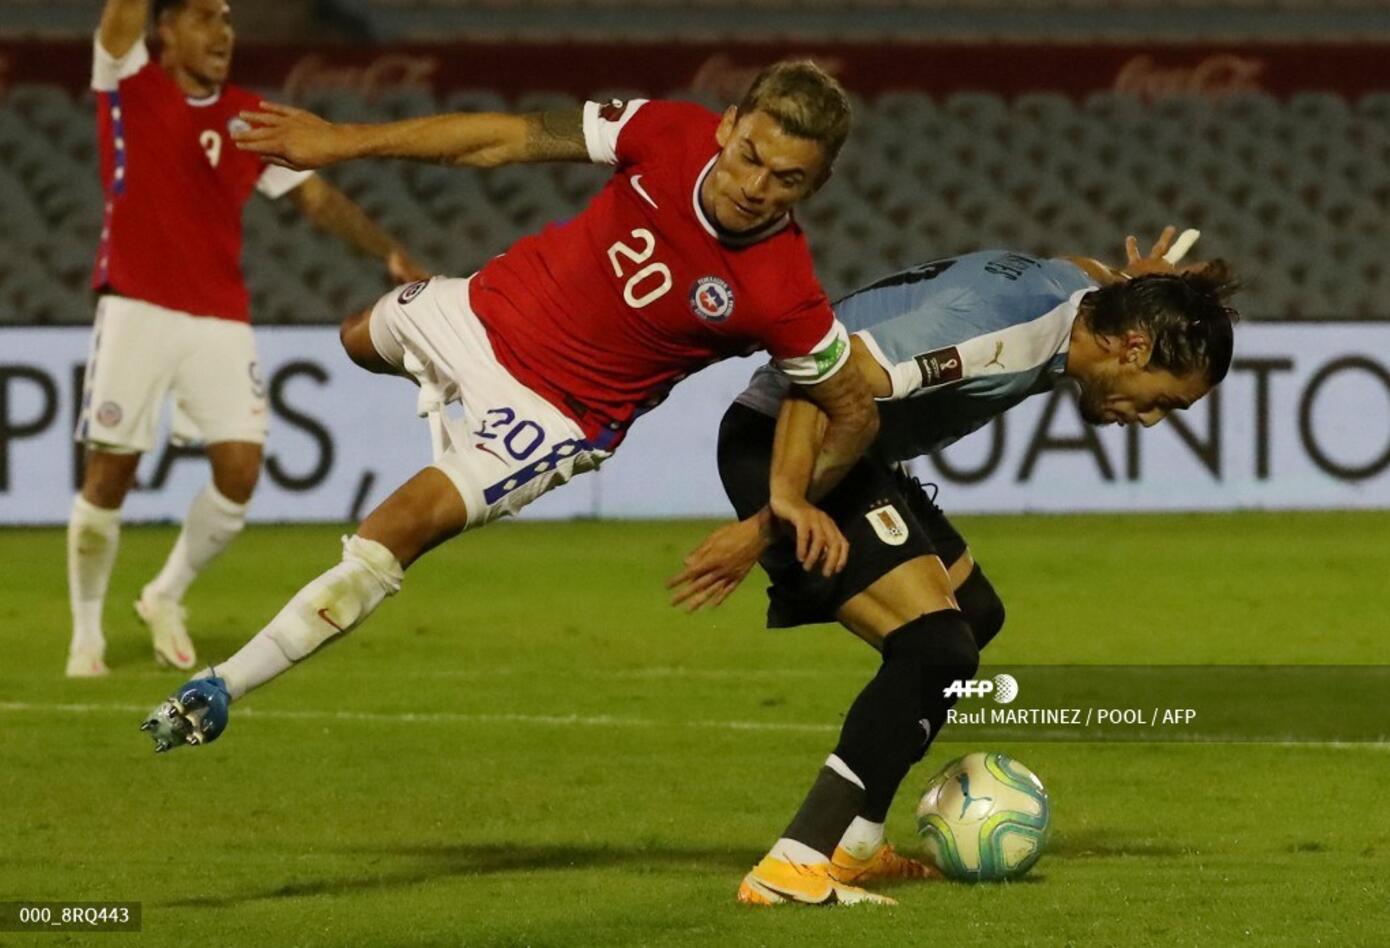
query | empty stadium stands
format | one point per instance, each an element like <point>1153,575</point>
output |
<point>1295,192</point>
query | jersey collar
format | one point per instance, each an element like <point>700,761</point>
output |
<point>205,101</point>
<point>727,237</point>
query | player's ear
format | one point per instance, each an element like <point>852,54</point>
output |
<point>164,26</point>
<point>725,132</point>
<point>1136,349</point>
<point>826,174</point>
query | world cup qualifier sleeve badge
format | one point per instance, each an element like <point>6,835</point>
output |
<point>888,524</point>
<point>711,299</point>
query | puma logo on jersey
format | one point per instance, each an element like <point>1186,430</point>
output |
<point>998,351</point>
<point>641,190</point>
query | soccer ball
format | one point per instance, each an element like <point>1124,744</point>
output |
<point>984,818</point>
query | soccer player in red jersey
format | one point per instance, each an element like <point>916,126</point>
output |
<point>688,255</point>
<point>173,312</point>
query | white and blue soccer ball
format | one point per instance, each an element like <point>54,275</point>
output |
<point>984,818</point>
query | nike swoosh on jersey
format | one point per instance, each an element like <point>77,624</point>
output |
<point>642,191</point>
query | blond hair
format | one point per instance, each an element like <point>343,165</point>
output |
<point>805,100</point>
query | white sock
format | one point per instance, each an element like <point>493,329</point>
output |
<point>797,852</point>
<point>330,606</point>
<point>863,838</point>
<point>94,533</point>
<point>212,524</point>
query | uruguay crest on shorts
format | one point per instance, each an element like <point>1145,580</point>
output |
<point>711,299</point>
<point>888,524</point>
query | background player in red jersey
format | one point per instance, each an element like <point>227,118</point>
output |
<point>173,312</point>
<point>688,255</point>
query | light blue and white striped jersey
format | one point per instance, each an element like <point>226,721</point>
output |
<point>964,339</point>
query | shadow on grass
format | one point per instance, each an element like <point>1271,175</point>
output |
<point>430,863</point>
<point>1105,844</point>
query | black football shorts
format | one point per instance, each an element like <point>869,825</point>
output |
<point>884,513</point>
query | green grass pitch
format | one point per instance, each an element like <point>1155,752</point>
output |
<point>528,747</point>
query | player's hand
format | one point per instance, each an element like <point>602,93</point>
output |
<point>291,138</point>
<point>716,567</point>
<point>1163,257</point>
<point>1136,264</point>
<point>818,540</point>
<point>403,269</point>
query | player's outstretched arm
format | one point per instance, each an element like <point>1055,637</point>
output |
<point>299,139</point>
<point>714,569</point>
<point>122,25</point>
<point>1164,257</point>
<point>334,212</point>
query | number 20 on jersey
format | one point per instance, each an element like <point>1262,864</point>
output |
<point>648,282</point>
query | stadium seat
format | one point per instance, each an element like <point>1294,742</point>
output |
<point>1271,183</point>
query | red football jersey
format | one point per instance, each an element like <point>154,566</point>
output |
<point>175,186</point>
<point>603,313</point>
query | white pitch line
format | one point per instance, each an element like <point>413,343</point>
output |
<point>714,674</point>
<point>439,717</point>
<point>1050,735</point>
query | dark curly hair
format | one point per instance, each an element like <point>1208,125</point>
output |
<point>1185,315</point>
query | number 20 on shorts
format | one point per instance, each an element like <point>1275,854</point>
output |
<point>519,438</point>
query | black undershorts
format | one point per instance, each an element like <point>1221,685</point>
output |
<point>885,514</point>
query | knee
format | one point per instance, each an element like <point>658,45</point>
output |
<point>958,654</point>
<point>107,478</point>
<point>982,607</point>
<point>235,479</point>
<point>346,329</point>
<point>941,644</point>
<point>356,338</point>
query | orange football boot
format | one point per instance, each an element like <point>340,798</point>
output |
<point>774,881</point>
<point>885,863</point>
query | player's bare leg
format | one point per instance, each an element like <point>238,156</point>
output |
<point>215,518</point>
<point>94,528</point>
<point>421,514</point>
<point>356,336</point>
<point>910,614</point>
<point>236,468</point>
<point>916,588</point>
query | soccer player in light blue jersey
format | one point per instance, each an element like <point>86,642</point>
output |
<point>946,347</point>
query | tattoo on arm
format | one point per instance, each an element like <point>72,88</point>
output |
<point>847,400</point>
<point>556,135</point>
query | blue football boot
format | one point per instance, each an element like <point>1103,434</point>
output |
<point>195,714</point>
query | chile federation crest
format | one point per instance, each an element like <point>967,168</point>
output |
<point>711,299</point>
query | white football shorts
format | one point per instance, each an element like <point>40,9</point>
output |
<point>142,352</point>
<point>509,446</point>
